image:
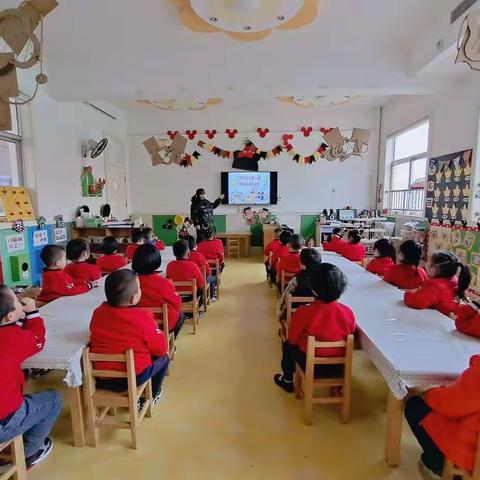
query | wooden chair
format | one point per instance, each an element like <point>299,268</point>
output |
<point>101,402</point>
<point>305,382</point>
<point>285,279</point>
<point>16,458</point>
<point>206,290</point>
<point>233,246</point>
<point>161,316</point>
<point>192,306</point>
<point>215,266</point>
<point>291,310</point>
<point>450,470</point>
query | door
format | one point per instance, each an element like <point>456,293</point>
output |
<point>116,179</point>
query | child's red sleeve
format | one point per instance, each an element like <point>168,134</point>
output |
<point>32,339</point>
<point>160,245</point>
<point>424,297</point>
<point>172,297</point>
<point>96,273</point>
<point>67,287</point>
<point>468,321</point>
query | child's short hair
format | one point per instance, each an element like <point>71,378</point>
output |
<point>336,231</point>
<point>148,233</point>
<point>209,232</point>
<point>109,245</point>
<point>296,242</point>
<point>310,257</point>
<point>6,301</point>
<point>51,254</point>
<point>448,265</point>
<point>328,282</point>
<point>192,242</point>
<point>76,247</point>
<point>411,251</point>
<point>354,236</point>
<point>285,237</point>
<point>385,249</point>
<point>120,286</point>
<point>278,231</point>
<point>180,248</point>
<point>146,259</point>
<point>137,235</point>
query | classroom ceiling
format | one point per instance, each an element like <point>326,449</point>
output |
<point>122,51</point>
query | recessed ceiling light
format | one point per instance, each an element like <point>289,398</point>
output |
<point>247,27</point>
<point>281,17</point>
<point>213,19</point>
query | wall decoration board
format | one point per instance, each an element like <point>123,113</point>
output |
<point>16,204</point>
<point>15,258</point>
<point>448,186</point>
<point>37,239</point>
<point>308,225</point>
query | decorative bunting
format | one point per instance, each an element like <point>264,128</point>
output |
<point>188,160</point>
<point>309,159</point>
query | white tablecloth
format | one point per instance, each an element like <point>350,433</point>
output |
<point>411,348</point>
<point>67,322</point>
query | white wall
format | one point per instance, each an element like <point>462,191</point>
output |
<point>302,188</point>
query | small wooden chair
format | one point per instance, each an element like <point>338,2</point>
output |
<point>233,246</point>
<point>286,277</point>
<point>305,382</point>
<point>101,402</point>
<point>16,457</point>
<point>161,316</point>
<point>215,266</point>
<point>206,290</point>
<point>450,470</point>
<point>291,310</point>
<point>192,306</point>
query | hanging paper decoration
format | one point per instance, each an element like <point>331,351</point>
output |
<point>231,133</point>
<point>210,133</point>
<point>306,131</point>
<point>191,134</point>
<point>188,159</point>
<point>286,139</point>
<point>263,132</point>
<point>18,226</point>
<point>308,159</point>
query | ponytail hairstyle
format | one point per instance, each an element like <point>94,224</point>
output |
<point>385,249</point>
<point>412,252</point>
<point>447,265</point>
<point>354,236</point>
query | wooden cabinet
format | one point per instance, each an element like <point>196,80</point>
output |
<point>122,234</point>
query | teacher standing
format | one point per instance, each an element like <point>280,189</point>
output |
<point>201,212</point>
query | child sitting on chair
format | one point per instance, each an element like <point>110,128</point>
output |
<point>22,334</point>
<point>326,319</point>
<point>443,287</point>
<point>212,248</point>
<point>445,421</point>
<point>272,247</point>
<point>78,252</point>
<point>281,251</point>
<point>56,282</point>
<point>150,237</point>
<point>385,257</point>
<point>198,258</point>
<point>137,240</point>
<point>336,243</point>
<point>119,325</point>
<point>291,262</point>
<point>111,260</point>
<point>156,289</point>
<point>353,250</point>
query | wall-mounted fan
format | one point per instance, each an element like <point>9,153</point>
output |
<point>95,148</point>
<point>469,41</point>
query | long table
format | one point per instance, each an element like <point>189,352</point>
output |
<point>412,349</point>
<point>67,322</point>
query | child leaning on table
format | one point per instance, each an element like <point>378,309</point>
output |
<point>326,319</point>
<point>443,287</point>
<point>446,422</point>
<point>111,260</point>
<point>78,252</point>
<point>119,325</point>
<point>353,250</point>
<point>384,257</point>
<point>22,334</point>
<point>56,282</point>
<point>336,243</point>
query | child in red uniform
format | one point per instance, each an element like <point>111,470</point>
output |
<point>201,261</point>
<point>446,422</point>
<point>336,243</point>
<point>291,262</point>
<point>353,250</point>
<point>137,240</point>
<point>150,237</point>
<point>212,248</point>
<point>56,282</point>
<point>443,287</point>
<point>326,319</point>
<point>271,248</point>
<point>385,257</point>
<point>78,252</point>
<point>156,289</point>
<point>407,274</point>
<point>467,320</point>
<point>22,334</point>
<point>111,260</point>
<point>119,325</point>
<point>281,251</point>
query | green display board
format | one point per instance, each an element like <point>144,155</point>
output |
<point>307,226</point>
<point>15,258</point>
<point>220,223</point>
<point>169,237</point>
<point>257,235</point>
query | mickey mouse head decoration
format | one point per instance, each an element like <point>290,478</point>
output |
<point>306,131</point>
<point>263,132</point>
<point>325,130</point>
<point>231,133</point>
<point>191,134</point>
<point>172,134</point>
<point>286,139</point>
<point>210,133</point>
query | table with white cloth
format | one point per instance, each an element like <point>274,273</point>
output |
<point>67,322</point>
<point>412,349</point>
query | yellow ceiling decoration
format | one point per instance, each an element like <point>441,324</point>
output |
<point>178,104</point>
<point>315,101</point>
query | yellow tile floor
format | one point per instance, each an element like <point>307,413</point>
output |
<point>221,416</point>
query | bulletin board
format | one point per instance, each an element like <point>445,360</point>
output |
<point>15,258</point>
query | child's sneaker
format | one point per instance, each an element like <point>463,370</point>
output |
<point>157,398</point>
<point>201,314</point>
<point>213,300</point>
<point>41,455</point>
<point>282,383</point>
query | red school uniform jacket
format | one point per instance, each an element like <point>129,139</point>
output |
<point>290,263</point>
<point>271,247</point>
<point>57,283</point>
<point>83,271</point>
<point>468,321</point>
<point>334,245</point>
<point>438,293</point>
<point>407,277</point>
<point>131,249</point>
<point>110,263</point>
<point>380,266</point>
<point>281,252</point>
<point>212,249</point>
<point>114,330</point>
<point>185,271</point>
<point>454,422</point>
<point>156,291</point>
<point>201,261</point>
<point>159,245</point>
<point>328,322</point>
<point>17,343</point>
<point>355,252</point>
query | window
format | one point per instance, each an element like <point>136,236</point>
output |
<point>406,169</point>
<point>11,169</point>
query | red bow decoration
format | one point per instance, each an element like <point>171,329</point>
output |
<point>263,132</point>
<point>231,133</point>
<point>172,134</point>
<point>286,139</point>
<point>325,130</point>
<point>191,134</point>
<point>306,131</point>
<point>210,133</point>
<point>248,152</point>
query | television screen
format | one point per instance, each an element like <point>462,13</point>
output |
<point>346,214</point>
<point>249,188</point>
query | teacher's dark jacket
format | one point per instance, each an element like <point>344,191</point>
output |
<point>201,212</point>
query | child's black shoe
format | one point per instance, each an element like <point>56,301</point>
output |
<point>282,383</point>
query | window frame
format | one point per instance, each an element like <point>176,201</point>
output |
<point>16,139</point>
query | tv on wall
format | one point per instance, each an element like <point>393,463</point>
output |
<point>250,188</point>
